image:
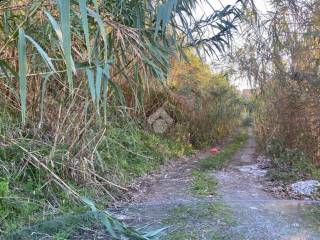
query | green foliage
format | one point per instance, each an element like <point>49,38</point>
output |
<point>117,229</point>
<point>22,74</point>
<point>247,121</point>
<point>222,158</point>
<point>202,184</point>
<point>124,153</point>
<point>290,164</point>
<point>30,196</point>
<point>131,152</point>
<point>204,102</point>
<point>61,227</point>
<point>85,38</point>
<point>65,19</point>
<point>124,46</point>
<point>4,188</point>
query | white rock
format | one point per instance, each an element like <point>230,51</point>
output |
<point>306,188</point>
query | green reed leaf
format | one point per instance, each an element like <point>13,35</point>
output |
<point>22,74</point>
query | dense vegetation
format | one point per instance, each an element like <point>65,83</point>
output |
<point>281,57</point>
<point>79,79</point>
<point>78,82</point>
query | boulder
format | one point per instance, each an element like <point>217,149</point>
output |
<point>160,121</point>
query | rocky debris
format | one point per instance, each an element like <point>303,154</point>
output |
<point>301,190</point>
<point>306,188</point>
<point>279,190</point>
<point>284,190</point>
<point>263,161</point>
<point>253,169</point>
<point>160,121</point>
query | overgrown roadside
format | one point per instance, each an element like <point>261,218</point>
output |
<point>72,224</point>
<point>29,193</point>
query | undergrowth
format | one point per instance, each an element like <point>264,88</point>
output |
<point>202,184</point>
<point>222,158</point>
<point>133,152</point>
<point>29,193</point>
<point>290,164</point>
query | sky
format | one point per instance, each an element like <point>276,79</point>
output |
<point>262,5</point>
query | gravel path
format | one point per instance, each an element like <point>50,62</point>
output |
<point>261,215</point>
<point>241,209</point>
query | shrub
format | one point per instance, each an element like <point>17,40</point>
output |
<point>290,164</point>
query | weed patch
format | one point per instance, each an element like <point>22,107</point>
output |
<point>290,164</point>
<point>183,213</point>
<point>181,235</point>
<point>129,153</point>
<point>185,219</point>
<point>202,184</point>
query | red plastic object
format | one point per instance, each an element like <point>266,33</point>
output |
<point>214,150</point>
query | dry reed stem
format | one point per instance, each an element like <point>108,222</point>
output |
<point>37,161</point>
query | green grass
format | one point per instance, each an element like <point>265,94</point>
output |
<point>28,194</point>
<point>223,211</point>
<point>210,215</point>
<point>182,214</point>
<point>131,152</point>
<point>202,184</point>
<point>295,172</point>
<point>222,158</point>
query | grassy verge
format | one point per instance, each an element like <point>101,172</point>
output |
<point>222,158</point>
<point>202,184</point>
<point>29,193</point>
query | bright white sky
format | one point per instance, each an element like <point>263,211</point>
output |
<point>262,5</point>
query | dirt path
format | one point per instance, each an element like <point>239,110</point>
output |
<point>240,209</point>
